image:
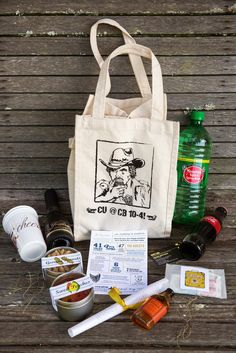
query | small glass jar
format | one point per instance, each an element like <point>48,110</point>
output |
<point>153,309</point>
<point>77,306</point>
<point>50,274</point>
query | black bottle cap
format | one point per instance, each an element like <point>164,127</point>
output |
<point>192,249</point>
<point>60,241</point>
<point>221,213</point>
<point>169,291</point>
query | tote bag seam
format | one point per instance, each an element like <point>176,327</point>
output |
<point>170,185</point>
<point>77,150</point>
<point>168,191</point>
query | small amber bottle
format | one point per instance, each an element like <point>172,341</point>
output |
<point>157,306</point>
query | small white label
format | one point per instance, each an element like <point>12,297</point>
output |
<point>71,287</point>
<point>62,260</point>
<point>192,278</point>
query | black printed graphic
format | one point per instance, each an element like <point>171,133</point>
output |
<point>124,173</point>
<point>95,278</point>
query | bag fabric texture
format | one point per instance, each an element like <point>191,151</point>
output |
<point>122,167</point>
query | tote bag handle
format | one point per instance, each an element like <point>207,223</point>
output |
<point>158,111</point>
<point>136,61</point>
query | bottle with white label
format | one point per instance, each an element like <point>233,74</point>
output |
<point>193,165</point>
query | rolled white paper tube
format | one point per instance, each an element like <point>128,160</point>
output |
<point>116,309</point>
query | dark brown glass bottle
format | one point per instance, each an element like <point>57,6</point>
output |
<point>194,244</point>
<point>57,230</point>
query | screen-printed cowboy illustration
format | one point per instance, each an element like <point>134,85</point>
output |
<point>123,185</point>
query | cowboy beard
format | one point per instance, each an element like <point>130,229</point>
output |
<point>120,176</point>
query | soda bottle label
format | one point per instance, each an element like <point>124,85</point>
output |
<point>193,174</point>
<point>193,171</point>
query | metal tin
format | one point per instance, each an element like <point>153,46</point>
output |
<point>74,311</point>
<point>49,275</point>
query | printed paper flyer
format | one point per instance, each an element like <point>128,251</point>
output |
<point>118,259</point>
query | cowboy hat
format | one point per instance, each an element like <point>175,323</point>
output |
<point>121,157</point>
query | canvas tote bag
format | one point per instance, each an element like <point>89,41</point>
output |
<point>125,164</point>
<point>113,107</point>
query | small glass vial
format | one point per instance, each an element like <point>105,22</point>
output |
<point>157,306</point>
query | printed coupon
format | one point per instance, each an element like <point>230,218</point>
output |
<point>118,259</point>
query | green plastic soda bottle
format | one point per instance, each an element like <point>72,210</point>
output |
<point>192,169</point>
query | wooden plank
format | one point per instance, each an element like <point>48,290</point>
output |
<point>226,150</point>
<point>26,181</point>
<point>87,84</point>
<point>112,7</point>
<point>13,288</point>
<point>156,25</point>
<point>59,181</point>
<point>87,65</point>
<point>16,268</point>
<point>33,196</point>
<point>13,294</point>
<point>223,166</point>
<point>178,232</point>
<point>61,150</point>
<point>165,335</point>
<point>61,349</point>
<point>66,209</point>
<point>14,284</point>
<point>43,165</point>
<point>54,118</point>
<point>63,133</point>
<point>36,134</point>
<point>219,197</point>
<point>13,266</point>
<point>220,247</point>
<point>81,46</point>
<point>200,312</point>
<point>225,182</point>
<point>35,150</point>
<point>54,101</point>
<point>219,252</point>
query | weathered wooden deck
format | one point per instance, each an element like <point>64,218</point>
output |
<point>47,70</point>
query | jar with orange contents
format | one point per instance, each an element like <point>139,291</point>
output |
<point>153,309</point>
<point>74,307</point>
